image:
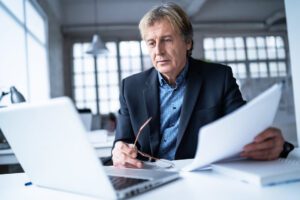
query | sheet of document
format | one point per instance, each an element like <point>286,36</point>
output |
<point>226,137</point>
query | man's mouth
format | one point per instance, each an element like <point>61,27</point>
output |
<point>162,61</point>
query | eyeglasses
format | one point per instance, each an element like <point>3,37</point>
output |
<point>163,163</point>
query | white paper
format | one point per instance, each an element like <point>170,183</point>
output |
<point>226,137</point>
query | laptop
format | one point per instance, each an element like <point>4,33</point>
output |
<point>50,142</point>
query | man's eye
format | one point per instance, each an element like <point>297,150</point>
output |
<point>167,39</point>
<point>151,44</point>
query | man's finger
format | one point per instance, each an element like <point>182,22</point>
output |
<point>260,155</point>
<point>260,146</point>
<point>268,133</point>
<point>127,149</point>
<point>123,159</point>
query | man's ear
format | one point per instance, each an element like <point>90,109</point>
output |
<point>188,45</point>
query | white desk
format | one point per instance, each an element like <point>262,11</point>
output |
<point>192,185</point>
<point>100,141</point>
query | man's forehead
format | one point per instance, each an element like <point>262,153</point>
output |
<point>159,29</point>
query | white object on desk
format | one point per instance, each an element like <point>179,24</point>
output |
<point>226,137</point>
<point>102,141</point>
<point>261,173</point>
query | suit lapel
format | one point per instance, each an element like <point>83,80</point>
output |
<point>151,98</point>
<point>190,98</point>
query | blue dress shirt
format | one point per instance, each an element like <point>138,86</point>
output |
<point>171,98</point>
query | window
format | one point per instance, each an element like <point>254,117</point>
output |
<point>24,49</point>
<point>110,73</point>
<point>249,57</point>
<point>130,55</point>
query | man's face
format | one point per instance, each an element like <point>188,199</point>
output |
<point>167,48</point>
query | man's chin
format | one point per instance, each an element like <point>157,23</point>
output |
<point>163,69</point>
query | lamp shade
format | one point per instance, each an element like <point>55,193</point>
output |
<point>16,96</point>
<point>97,46</point>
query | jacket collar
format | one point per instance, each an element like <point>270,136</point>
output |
<point>151,99</point>
<point>191,95</point>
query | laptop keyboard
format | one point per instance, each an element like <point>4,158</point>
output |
<point>120,183</point>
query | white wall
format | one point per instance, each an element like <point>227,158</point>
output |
<point>293,15</point>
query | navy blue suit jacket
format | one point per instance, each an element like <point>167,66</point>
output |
<point>211,92</point>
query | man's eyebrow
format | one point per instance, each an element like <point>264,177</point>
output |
<point>166,36</point>
<point>162,37</point>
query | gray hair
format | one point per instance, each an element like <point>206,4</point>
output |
<point>175,15</point>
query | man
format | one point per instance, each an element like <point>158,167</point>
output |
<point>181,95</point>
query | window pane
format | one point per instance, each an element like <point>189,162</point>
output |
<point>230,54</point>
<point>104,107</point>
<point>114,105</point>
<point>210,55</point>
<point>16,7</point>
<point>89,79</point>
<point>112,49</point>
<point>125,65</point>
<point>239,42</point>
<point>90,93</point>
<point>103,93</point>
<point>242,70</point>
<point>35,22</point>
<point>252,54</point>
<point>102,79</point>
<point>112,64</point>
<point>113,78</point>
<point>147,62</point>
<point>208,43</point>
<point>136,64</point>
<point>79,94</point>
<point>114,92</point>
<point>273,69</point>
<point>77,50</point>
<point>279,42</point>
<point>260,41</point>
<point>219,43</point>
<point>281,53</point>
<point>282,69</point>
<point>78,80</point>
<point>229,43</point>
<point>39,83</point>
<point>77,65</point>
<point>271,41</point>
<point>88,64</point>
<point>240,54</point>
<point>262,54</point>
<point>13,69</point>
<point>129,48</point>
<point>220,55</point>
<point>263,70</point>
<point>250,42</point>
<point>254,70</point>
<point>271,53</point>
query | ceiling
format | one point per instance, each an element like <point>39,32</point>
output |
<point>76,14</point>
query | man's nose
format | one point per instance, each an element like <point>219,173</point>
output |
<point>159,49</point>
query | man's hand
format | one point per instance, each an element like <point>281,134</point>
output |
<point>266,146</point>
<point>124,155</point>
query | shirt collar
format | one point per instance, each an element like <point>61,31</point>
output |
<point>180,78</point>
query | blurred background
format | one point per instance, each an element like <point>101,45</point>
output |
<point>44,46</point>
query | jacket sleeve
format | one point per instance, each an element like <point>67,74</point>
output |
<point>124,131</point>
<point>232,96</point>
